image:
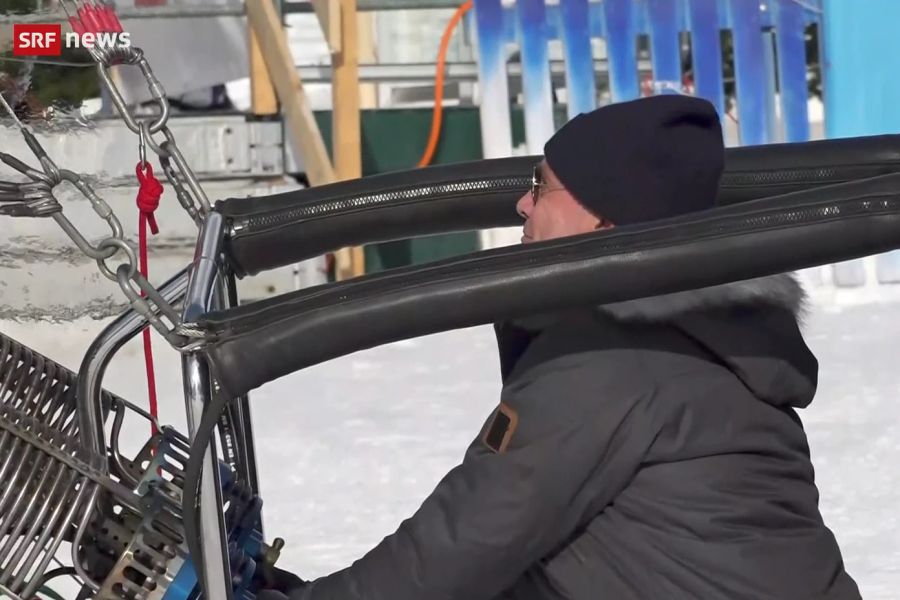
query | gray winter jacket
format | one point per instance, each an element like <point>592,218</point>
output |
<point>648,449</point>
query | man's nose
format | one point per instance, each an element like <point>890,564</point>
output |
<point>524,205</point>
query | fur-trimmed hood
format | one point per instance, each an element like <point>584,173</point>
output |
<point>752,327</point>
<point>783,290</point>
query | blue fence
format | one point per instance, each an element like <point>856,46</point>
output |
<point>768,46</point>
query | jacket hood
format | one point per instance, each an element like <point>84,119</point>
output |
<point>753,327</point>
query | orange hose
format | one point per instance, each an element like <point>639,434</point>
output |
<point>437,116</point>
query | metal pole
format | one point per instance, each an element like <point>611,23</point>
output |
<point>200,298</point>
<point>454,71</point>
<point>226,10</point>
<point>91,412</point>
<point>243,421</point>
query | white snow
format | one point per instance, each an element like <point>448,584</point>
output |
<point>349,448</point>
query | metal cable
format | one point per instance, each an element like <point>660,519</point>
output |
<point>54,63</point>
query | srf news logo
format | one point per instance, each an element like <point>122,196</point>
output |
<point>36,39</point>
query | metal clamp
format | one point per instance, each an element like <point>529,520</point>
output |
<point>28,199</point>
<point>183,339</point>
<point>40,207</point>
<point>33,174</point>
<point>97,203</point>
<point>133,56</point>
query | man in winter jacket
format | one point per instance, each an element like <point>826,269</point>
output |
<point>648,449</point>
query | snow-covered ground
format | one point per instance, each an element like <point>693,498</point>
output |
<point>349,448</point>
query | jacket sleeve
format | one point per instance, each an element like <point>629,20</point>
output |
<point>578,439</point>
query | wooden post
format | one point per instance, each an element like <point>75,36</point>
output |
<point>346,115</point>
<point>368,92</point>
<point>262,94</point>
<point>266,24</point>
<point>328,12</point>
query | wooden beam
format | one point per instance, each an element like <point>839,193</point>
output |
<point>345,97</point>
<point>368,92</point>
<point>304,130</point>
<point>263,100</point>
<point>346,114</point>
<point>329,14</point>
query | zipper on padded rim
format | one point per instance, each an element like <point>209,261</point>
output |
<point>258,223</point>
<point>779,176</point>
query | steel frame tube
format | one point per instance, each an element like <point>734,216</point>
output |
<point>203,294</point>
<point>242,418</point>
<point>93,367</point>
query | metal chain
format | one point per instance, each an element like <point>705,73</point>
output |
<point>35,198</point>
<point>182,338</point>
<point>184,198</point>
<point>168,150</point>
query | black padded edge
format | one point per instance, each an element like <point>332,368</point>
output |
<point>760,171</point>
<point>266,340</point>
<point>430,205</point>
<point>335,220</point>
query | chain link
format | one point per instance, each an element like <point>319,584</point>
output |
<point>184,198</point>
<point>170,150</point>
<point>127,278</point>
<point>131,265</point>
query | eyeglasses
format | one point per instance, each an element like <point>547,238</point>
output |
<point>538,183</point>
<point>537,180</point>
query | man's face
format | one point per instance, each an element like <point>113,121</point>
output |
<point>551,211</point>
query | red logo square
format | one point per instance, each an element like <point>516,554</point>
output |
<point>37,39</point>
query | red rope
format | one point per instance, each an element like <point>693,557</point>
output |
<point>148,196</point>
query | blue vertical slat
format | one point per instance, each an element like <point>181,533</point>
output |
<point>510,24</point>
<point>621,48</point>
<point>496,129</point>
<point>665,49</point>
<point>576,38</point>
<point>639,17</point>
<point>749,67</point>
<point>706,52</point>
<point>766,19</point>
<point>789,25</point>
<point>535,74</point>
<point>597,19</point>
<point>773,129</point>
<point>724,12</point>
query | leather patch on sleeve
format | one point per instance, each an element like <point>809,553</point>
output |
<point>501,429</point>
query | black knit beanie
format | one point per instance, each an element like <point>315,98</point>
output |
<point>641,160</point>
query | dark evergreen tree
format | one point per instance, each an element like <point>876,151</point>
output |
<point>43,85</point>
